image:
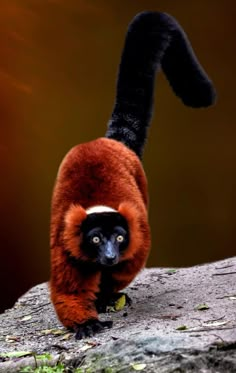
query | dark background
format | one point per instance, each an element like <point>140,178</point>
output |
<point>58,64</point>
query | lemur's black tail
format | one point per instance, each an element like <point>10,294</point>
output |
<point>154,40</point>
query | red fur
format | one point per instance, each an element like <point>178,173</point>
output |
<point>72,238</point>
<point>101,172</point>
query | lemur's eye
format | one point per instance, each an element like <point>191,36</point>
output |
<point>96,239</point>
<point>120,238</point>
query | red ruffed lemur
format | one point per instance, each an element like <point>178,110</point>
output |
<point>100,236</point>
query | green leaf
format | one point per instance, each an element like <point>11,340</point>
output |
<point>27,370</point>
<point>120,303</point>
<point>43,357</point>
<point>16,354</point>
<point>138,366</point>
<point>182,327</point>
<point>202,307</point>
<point>59,368</point>
<point>171,271</point>
<point>53,331</point>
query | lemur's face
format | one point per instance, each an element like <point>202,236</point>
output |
<point>104,237</point>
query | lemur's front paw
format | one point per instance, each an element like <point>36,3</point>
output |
<point>91,327</point>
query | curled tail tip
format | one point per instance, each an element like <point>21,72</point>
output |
<point>201,95</point>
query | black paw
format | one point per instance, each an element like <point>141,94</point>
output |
<point>91,327</point>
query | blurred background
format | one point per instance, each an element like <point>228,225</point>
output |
<point>58,66</point>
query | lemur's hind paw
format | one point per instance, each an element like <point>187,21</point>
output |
<point>91,327</point>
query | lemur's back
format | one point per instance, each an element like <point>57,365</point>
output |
<point>100,172</point>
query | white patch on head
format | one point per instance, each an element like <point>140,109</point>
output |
<point>99,209</point>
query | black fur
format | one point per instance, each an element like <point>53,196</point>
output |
<point>107,227</point>
<point>90,327</point>
<point>154,40</point>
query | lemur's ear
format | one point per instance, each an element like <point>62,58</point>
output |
<point>138,228</point>
<point>74,217</point>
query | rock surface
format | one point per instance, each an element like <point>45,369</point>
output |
<point>181,320</point>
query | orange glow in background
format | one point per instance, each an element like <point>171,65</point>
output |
<point>58,65</point>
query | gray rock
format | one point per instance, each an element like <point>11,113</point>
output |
<point>164,329</point>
